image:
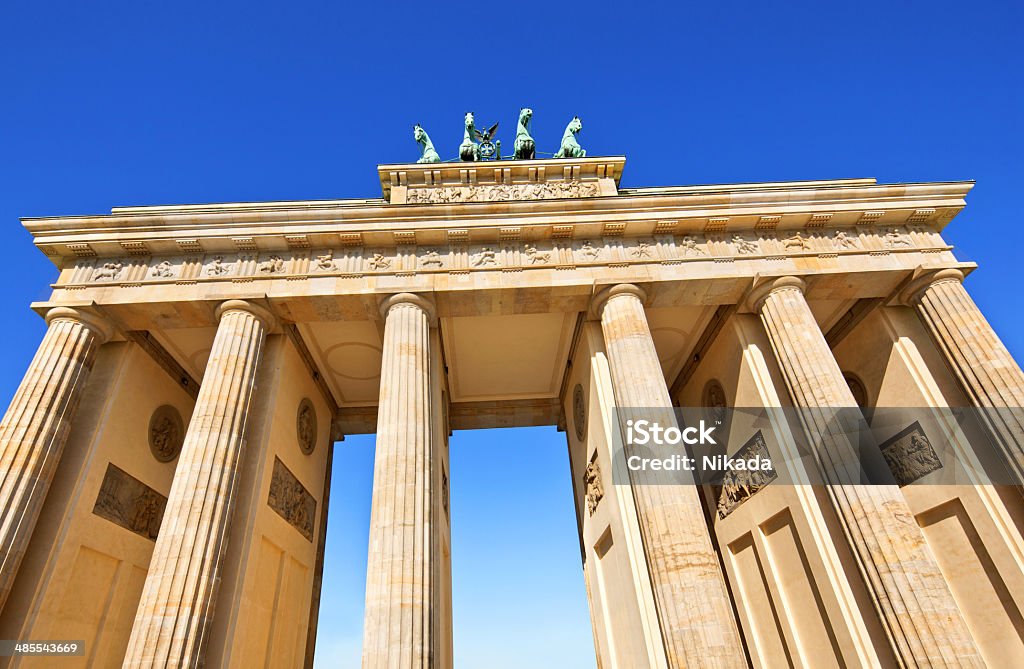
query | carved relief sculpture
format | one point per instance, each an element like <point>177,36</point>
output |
<point>272,265</point>
<point>579,412</point>
<point>290,499</point>
<point>744,246</point>
<point>432,258</point>
<point>894,238</point>
<point>378,261</point>
<point>126,501</point>
<point>485,256</point>
<point>690,248</point>
<point>305,426</point>
<point>593,485</point>
<point>444,491</point>
<point>860,394</point>
<point>797,241</point>
<point>844,241</point>
<point>164,269</point>
<point>166,433</point>
<point>218,267</point>
<point>910,455</point>
<point>641,250</point>
<point>503,192</point>
<point>714,402</point>
<point>326,262</point>
<point>587,250</point>
<point>737,486</point>
<point>536,256</point>
<point>108,271</point>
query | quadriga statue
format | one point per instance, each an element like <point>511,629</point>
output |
<point>469,150</point>
<point>524,148</point>
<point>570,147</point>
<point>427,152</point>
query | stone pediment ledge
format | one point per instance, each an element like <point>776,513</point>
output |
<point>501,180</point>
<point>715,214</point>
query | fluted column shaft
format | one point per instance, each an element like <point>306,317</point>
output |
<point>696,618</point>
<point>398,631</point>
<point>921,618</point>
<point>36,426</point>
<point>176,608</point>
<point>987,372</point>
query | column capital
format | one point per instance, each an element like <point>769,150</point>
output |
<point>262,315</point>
<point>909,295</point>
<point>425,305</point>
<point>601,299</point>
<point>101,328</point>
<point>760,292</point>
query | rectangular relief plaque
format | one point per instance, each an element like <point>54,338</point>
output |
<point>737,486</point>
<point>126,501</point>
<point>910,455</point>
<point>290,499</point>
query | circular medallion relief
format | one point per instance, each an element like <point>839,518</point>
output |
<point>714,401</point>
<point>305,426</point>
<point>860,393</point>
<point>579,412</point>
<point>166,433</point>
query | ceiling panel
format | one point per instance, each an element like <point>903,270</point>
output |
<point>348,353</point>
<point>506,357</point>
<point>675,331</point>
<point>189,346</point>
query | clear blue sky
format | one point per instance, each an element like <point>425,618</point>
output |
<point>137,103</point>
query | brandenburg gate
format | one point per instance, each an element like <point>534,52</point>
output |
<point>165,463</point>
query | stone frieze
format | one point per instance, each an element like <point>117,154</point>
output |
<point>501,255</point>
<point>550,190</point>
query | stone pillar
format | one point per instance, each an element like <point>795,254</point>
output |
<point>36,426</point>
<point>176,608</point>
<point>988,374</point>
<point>696,617</point>
<point>917,609</point>
<point>400,628</point>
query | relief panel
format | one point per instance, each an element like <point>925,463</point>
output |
<point>738,486</point>
<point>910,455</point>
<point>503,192</point>
<point>126,501</point>
<point>290,499</point>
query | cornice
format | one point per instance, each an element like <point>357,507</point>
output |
<point>325,224</point>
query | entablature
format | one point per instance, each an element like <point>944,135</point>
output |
<point>576,199</point>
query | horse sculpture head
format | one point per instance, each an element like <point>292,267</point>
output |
<point>525,114</point>
<point>469,119</point>
<point>418,133</point>
<point>575,125</point>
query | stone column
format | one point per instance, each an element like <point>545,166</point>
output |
<point>988,374</point>
<point>696,617</point>
<point>36,426</point>
<point>916,607</point>
<point>176,608</point>
<point>400,627</point>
